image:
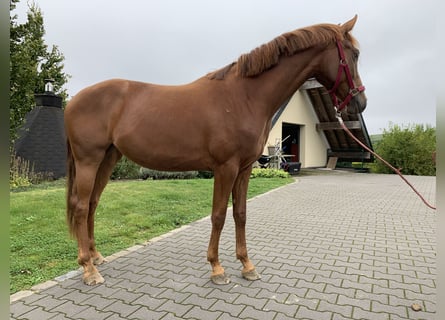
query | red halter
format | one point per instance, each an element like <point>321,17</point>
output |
<point>353,90</point>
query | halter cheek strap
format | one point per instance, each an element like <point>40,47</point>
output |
<point>353,90</point>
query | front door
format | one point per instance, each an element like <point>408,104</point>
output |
<point>290,145</point>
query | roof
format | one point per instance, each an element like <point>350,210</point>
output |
<point>42,140</point>
<point>341,145</point>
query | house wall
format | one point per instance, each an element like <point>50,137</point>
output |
<point>313,144</point>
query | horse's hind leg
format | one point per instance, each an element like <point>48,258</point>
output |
<point>112,156</point>
<point>88,180</point>
<point>239,195</point>
<point>86,172</point>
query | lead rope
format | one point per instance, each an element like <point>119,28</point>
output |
<point>338,115</point>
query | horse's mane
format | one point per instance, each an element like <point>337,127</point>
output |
<point>268,55</point>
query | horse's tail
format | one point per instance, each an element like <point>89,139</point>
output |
<point>71,176</point>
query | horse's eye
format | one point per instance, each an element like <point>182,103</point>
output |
<point>356,54</point>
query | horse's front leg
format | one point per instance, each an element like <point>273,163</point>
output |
<point>239,196</point>
<point>223,184</point>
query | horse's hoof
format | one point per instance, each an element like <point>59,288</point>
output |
<point>93,279</point>
<point>251,275</point>
<point>220,279</point>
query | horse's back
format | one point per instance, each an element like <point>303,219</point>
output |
<point>91,113</point>
<point>193,126</point>
<point>98,97</point>
<point>135,117</point>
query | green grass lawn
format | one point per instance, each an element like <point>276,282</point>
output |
<point>130,212</point>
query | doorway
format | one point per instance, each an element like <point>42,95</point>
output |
<point>290,135</point>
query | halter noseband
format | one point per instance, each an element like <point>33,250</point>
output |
<point>353,90</point>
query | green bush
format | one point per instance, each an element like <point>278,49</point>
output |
<point>21,172</point>
<point>125,169</point>
<point>205,174</point>
<point>268,173</point>
<point>145,173</point>
<point>23,175</point>
<point>408,148</point>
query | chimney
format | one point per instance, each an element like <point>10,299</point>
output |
<point>48,98</point>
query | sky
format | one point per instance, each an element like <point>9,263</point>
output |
<point>178,41</point>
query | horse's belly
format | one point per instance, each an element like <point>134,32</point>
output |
<point>171,162</point>
<point>156,153</point>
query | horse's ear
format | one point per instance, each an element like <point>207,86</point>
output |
<point>347,26</point>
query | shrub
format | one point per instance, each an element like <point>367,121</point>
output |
<point>18,172</point>
<point>268,173</point>
<point>409,148</point>
<point>125,169</point>
<point>21,172</point>
<point>145,173</point>
<point>205,174</point>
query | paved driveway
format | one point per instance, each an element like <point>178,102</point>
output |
<point>331,246</point>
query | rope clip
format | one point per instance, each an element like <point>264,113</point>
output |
<point>338,115</point>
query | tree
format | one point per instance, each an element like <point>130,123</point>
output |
<point>31,62</point>
<point>409,148</point>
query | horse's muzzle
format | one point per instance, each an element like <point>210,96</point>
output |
<point>357,104</point>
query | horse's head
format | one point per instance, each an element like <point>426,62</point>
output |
<point>338,72</point>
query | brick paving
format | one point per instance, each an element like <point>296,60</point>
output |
<point>339,245</point>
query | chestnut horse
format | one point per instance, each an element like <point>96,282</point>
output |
<point>219,123</point>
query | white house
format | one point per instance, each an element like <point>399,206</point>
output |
<point>306,130</point>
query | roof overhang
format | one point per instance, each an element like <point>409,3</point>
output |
<point>341,145</point>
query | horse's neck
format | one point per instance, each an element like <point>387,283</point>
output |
<point>272,88</point>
